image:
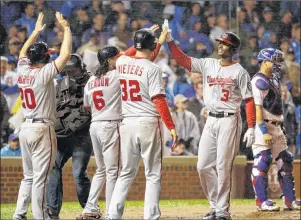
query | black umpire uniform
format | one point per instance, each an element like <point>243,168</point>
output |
<point>72,130</point>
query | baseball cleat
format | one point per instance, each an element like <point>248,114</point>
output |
<point>296,205</point>
<point>20,217</point>
<point>268,206</point>
<point>89,216</point>
<point>210,215</point>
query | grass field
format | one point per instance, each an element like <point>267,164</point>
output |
<point>174,209</point>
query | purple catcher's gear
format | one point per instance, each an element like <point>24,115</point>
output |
<point>285,176</point>
<point>262,162</point>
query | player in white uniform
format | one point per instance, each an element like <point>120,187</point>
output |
<point>102,97</point>
<point>143,102</point>
<point>37,135</point>
<point>270,141</point>
<point>226,84</point>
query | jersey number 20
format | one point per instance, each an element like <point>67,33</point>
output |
<point>134,89</point>
<point>28,99</point>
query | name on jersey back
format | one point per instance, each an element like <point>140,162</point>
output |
<point>98,82</point>
<point>130,69</point>
<point>26,79</point>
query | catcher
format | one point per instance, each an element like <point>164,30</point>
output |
<point>270,141</point>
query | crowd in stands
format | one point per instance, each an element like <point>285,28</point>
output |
<point>194,26</point>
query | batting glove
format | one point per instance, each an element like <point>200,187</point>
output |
<point>249,137</point>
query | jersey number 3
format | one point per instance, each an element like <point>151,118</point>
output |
<point>99,103</point>
<point>226,93</point>
<point>28,99</point>
<point>134,89</point>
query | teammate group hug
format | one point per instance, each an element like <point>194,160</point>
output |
<point>126,98</point>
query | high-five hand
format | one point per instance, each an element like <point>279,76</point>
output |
<point>39,24</point>
<point>154,28</point>
<point>63,22</point>
<point>163,35</point>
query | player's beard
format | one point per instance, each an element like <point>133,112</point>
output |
<point>224,54</point>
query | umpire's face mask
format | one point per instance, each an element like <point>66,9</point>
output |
<point>75,73</point>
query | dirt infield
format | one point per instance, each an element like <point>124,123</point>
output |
<point>196,212</point>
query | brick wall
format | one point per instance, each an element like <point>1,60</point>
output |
<point>179,179</point>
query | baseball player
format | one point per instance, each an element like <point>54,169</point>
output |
<point>103,98</point>
<point>37,135</point>
<point>143,102</point>
<point>226,84</point>
<point>270,141</point>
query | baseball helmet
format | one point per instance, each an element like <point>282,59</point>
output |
<point>270,54</point>
<point>106,53</point>
<point>145,39</point>
<point>273,55</point>
<point>230,39</point>
<point>103,55</point>
<point>39,53</point>
<point>74,62</point>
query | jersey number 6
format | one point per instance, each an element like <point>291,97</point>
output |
<point>99,103</point>
<point>134,89</point>
<point>28,99</point>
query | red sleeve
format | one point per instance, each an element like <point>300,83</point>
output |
<point>130,52</point>
<point>251,112</point>
<point>155,52</point>
<point>162,108</point>
<point>179,55</point>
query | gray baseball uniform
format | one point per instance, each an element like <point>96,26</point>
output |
<point>103,96</point>
<point>224,89</point>
<point>140,132</point>
<point>37,135</point>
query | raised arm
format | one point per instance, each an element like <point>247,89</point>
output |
<point>66,48</point>
<point>132,51</point>
<point>34,35</point>
<point>178,54</point>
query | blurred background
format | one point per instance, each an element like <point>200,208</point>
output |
<point>194,26</point>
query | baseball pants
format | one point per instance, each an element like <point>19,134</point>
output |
<point>218,147</point>
<point>106,145</point>
<point>279,140</point>
<point>39,147</point>
<point>140,138</point>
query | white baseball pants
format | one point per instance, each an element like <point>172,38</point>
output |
<point>140,138</point>
<point>106,145</point>
<point>218,147</point>
<point>39,147</point>
<point>279,140</point>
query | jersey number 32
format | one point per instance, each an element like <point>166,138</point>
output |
<point>130,89</point>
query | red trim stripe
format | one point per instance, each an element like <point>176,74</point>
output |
<point>56,67</point>
<point>44,188</point>
<point>161,153</point>
<point>119,149</point>
<point>225,41</point>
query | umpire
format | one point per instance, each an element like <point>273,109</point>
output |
<point>72,130</point>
